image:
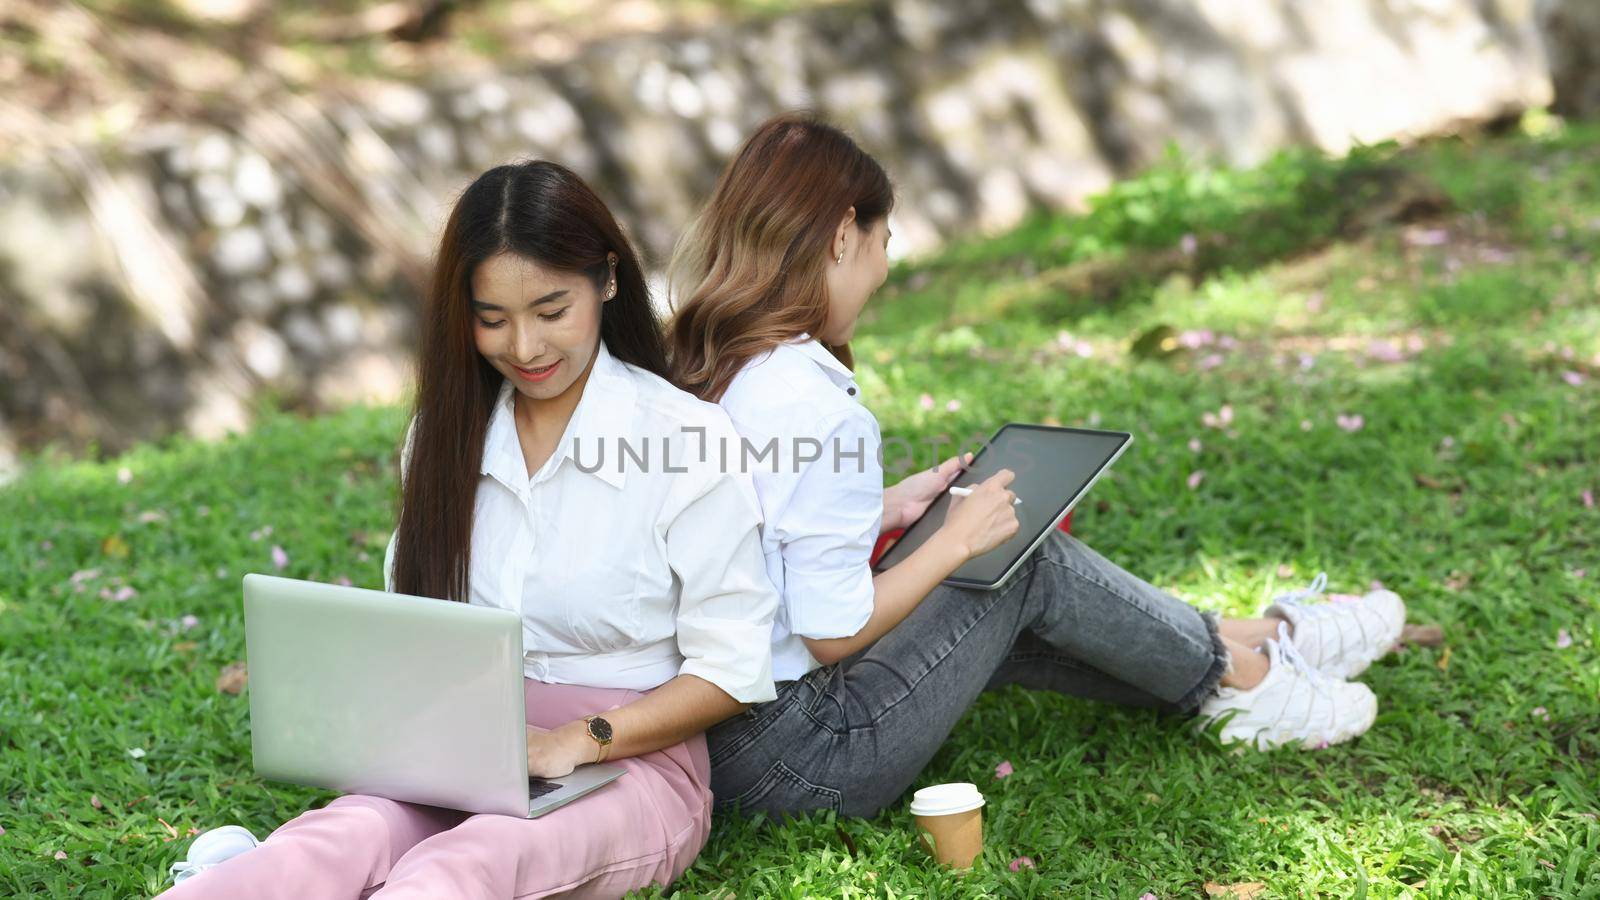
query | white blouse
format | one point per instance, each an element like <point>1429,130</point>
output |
<point>822,497</point>
<point>646,566</point>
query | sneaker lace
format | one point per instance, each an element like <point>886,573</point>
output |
<point>1320,684</point>
<point>1316,587</point>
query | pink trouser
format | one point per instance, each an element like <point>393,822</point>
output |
<point>645,827</point>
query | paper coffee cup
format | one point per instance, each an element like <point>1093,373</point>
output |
<point>949,821</point>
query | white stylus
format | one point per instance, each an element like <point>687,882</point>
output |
<point>964,491</point>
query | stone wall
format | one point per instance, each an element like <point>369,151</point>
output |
<point>170,279</point>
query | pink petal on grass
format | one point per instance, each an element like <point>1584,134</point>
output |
<point>1588,499</point>
<point>1352,422</point>
<point>1147,896</point>
<point>1305,424</point>
<point>61,854</point>
<point>188,621</point>
<point>1195,477</point>
<point>952,406</point>
<point>1572,378</point>
<point>342,580</point>
<point>1209,361</point>
<point>1003,770</point>
<point>279,558</point>
<point>1563,639</point>
<point>1541,713</point>
<point>1021,862</point>
<point>1194,445</point>
<point>925,401</point>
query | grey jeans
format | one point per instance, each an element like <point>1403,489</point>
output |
<point>851,737</point>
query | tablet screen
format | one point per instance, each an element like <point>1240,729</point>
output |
<point>1054,467</point>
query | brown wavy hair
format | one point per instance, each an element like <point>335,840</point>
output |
<point>543,212</point>
<point>748,274</point>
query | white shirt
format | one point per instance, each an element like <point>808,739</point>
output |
<point>633,573</point>
<point>821,516</point>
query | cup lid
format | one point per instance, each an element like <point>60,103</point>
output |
<point>946,799</point>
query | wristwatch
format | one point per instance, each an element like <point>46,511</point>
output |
<point>600,731</point>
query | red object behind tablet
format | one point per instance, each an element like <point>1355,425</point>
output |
<point>889,537</point>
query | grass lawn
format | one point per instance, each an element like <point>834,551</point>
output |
<point>1413,402</point>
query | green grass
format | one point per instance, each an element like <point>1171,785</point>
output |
<point>1462,491</point>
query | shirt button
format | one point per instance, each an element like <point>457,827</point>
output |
<point>850,391</point>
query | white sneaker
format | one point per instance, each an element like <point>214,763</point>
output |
<point>1344,634</point>
<point>211,848</point>
<point>1294,703</point>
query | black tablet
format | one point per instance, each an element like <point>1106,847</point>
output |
<point>1054,466</point>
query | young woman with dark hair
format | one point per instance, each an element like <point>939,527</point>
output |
<point>874,671</point>
<point>642,590</point>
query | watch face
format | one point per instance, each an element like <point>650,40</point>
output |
<point>600,729</point>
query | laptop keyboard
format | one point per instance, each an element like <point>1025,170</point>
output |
<point>538,788</point>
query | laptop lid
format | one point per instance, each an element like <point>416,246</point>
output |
<point>397,696</point>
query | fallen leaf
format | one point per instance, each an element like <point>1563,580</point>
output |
<point>1444,660</point>
<point>1157,342</point>
<point>114,547</point>
<point>1422,635</point>
<point>184,646</point>
<point>136,752</point>
<point>1243,891</point>
<point>232,678</point>
<point>1432,484</point>
<point>849,842</point>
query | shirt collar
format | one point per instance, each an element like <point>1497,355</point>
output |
<point>602,416</point>
<point>830,364</point>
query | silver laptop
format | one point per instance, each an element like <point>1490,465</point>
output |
<point>396,696</point>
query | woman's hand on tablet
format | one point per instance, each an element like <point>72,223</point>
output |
<point>552,754</point>
<point>907,499</point>
<point>984,519</point>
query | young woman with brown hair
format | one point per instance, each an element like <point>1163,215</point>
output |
<point>874,671</point>
<point>644,599</point>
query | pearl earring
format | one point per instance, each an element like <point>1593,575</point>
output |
<point>840,260</point>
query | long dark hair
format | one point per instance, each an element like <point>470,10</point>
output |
<point>545,213</point>
<point>748,273</point>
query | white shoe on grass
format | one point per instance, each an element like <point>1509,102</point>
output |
<point>1293,704</point>
<point>211,848</point>
<point>1343,635</point>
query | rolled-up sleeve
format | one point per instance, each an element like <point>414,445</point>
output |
<point>825,527</point>
<point>726,603</point>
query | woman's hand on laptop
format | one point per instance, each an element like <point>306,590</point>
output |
<point>907,499</point>
<point>552,754</point>
<point>984,519</point>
